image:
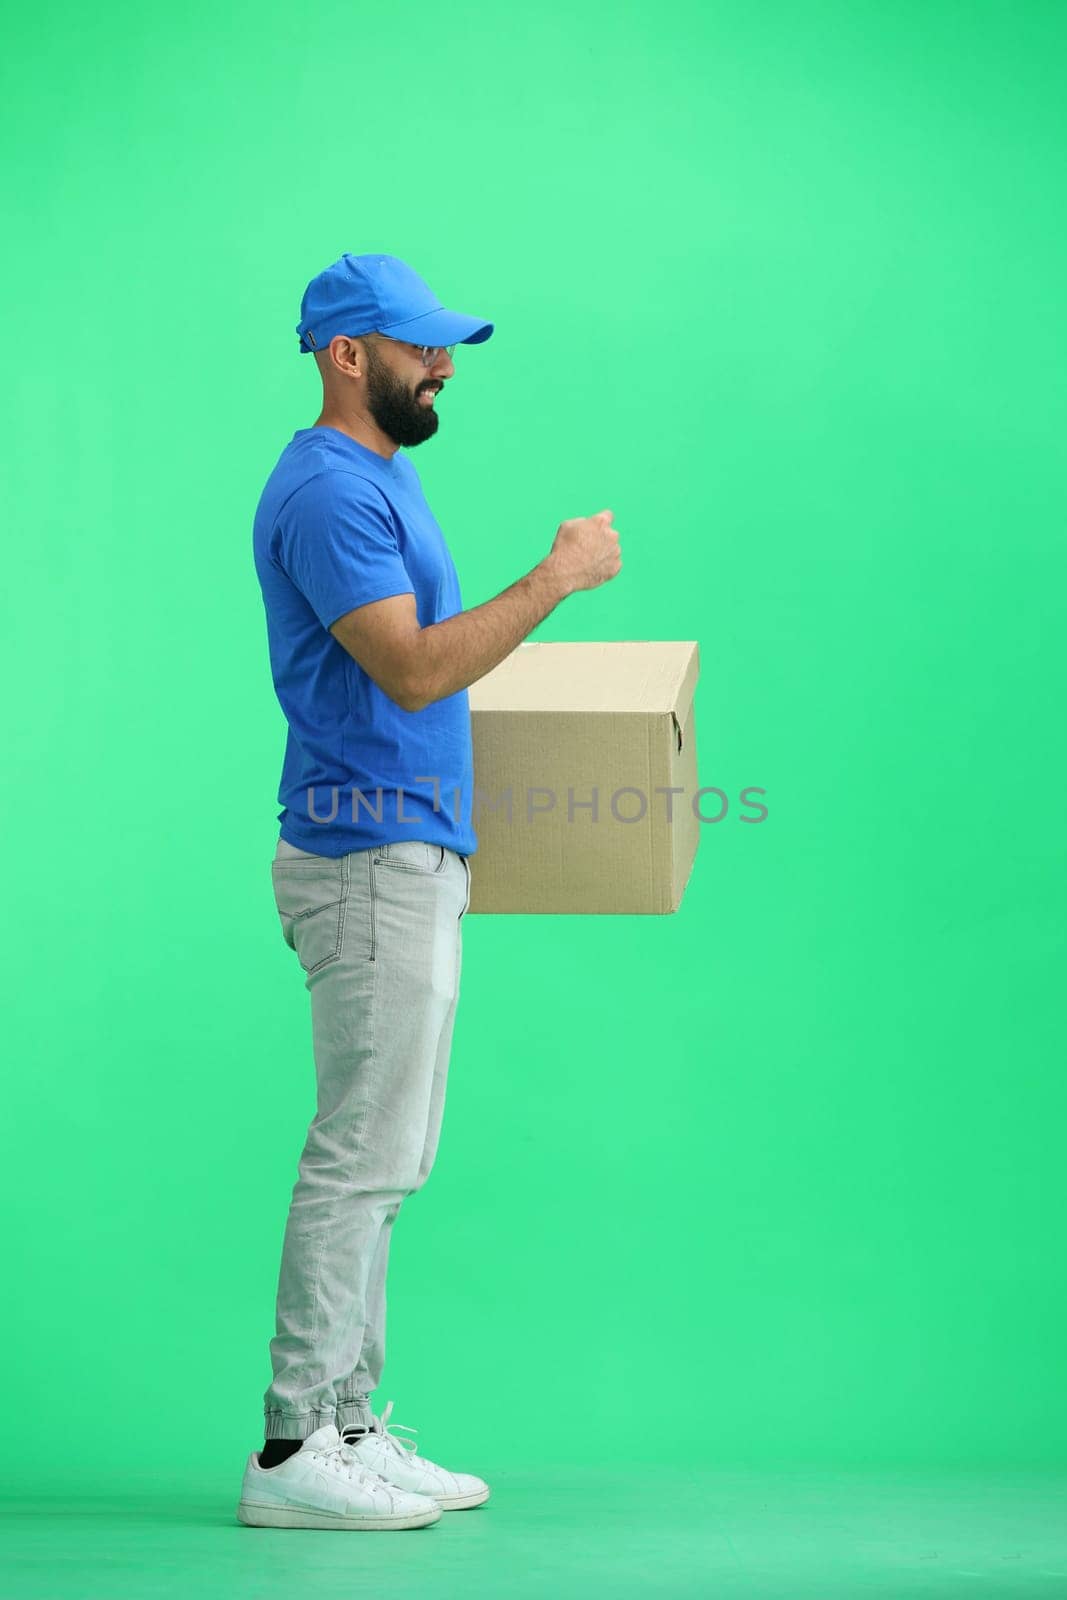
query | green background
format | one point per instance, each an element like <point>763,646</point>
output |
<point>777,1181</point>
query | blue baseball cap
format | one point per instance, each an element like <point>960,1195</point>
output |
<point>379,294</point>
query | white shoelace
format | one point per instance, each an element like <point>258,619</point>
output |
<point>338,1458</point>
<point>391,1440</point>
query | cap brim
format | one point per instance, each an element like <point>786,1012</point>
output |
<point>440,327</point>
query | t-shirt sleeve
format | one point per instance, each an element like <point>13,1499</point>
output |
<point>339,547</point>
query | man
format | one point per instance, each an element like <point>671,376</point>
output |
<point>371,655</point>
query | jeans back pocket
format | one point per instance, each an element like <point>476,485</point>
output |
<point>310,899</point>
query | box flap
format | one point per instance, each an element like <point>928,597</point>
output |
<point>611,675</point>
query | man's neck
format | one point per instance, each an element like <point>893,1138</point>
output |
<point>371,438</point>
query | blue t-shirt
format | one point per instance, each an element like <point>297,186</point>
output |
<point>338,526</point>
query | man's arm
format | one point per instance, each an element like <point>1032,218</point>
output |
<point>416,666</point>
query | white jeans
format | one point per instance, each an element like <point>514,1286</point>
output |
<point>378,937</point>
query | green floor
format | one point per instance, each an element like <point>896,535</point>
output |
<point>592,1532</point>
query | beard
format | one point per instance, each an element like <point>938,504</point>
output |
<point>397,410</point>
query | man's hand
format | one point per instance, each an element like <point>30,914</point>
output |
<point>585,552</point>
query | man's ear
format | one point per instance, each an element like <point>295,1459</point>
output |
<point>355,355</point>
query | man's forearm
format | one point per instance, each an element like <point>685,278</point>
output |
<point>453,654</point>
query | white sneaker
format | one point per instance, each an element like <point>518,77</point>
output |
<point>383,1452</point>
<point>321,1486</point>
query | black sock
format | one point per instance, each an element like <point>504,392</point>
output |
<point>275,1451</point>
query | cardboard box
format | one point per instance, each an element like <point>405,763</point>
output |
<point>552,724</point>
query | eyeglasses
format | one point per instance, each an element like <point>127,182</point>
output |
<point>427,353</point>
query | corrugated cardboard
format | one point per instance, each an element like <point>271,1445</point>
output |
<point>555,722</point>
